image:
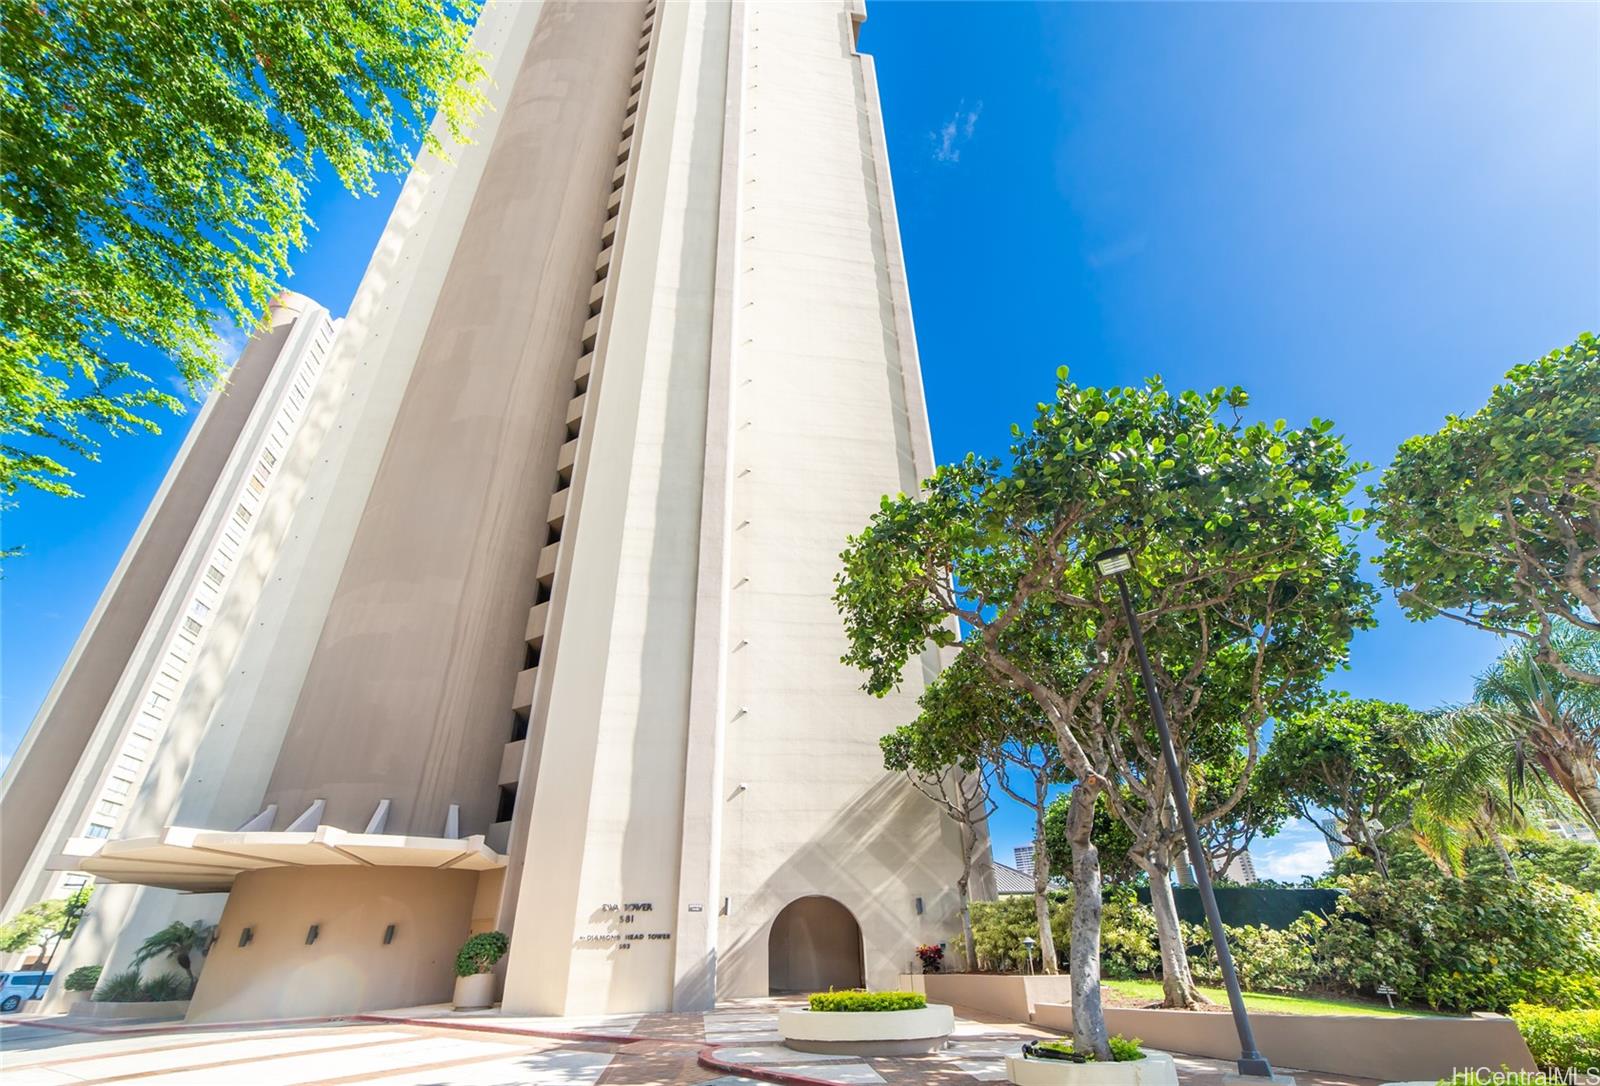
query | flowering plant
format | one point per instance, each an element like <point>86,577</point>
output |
<point>932,955</point>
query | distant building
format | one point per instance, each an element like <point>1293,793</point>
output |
<point>1570,829</point>
<point>1331,833</point>
<point>1242,869</point>
<point>1024,857</point>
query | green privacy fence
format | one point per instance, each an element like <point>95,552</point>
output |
<point>1275,906</point>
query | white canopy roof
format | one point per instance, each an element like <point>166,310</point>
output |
<point>207,861</point>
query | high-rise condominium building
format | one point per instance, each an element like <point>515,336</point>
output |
<point>533,628</point>
<point>1023,856</point>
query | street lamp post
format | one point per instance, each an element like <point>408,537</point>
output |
<point>1116,563</point>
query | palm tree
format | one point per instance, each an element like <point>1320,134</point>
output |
<point>1466,799</point>
<point>1532,718</point>
<point>179,941</point>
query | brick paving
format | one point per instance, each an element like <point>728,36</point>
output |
<point>434,1046</point>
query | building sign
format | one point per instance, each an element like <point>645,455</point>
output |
<point>631,923</point>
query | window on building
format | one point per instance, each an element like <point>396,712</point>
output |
<point>214,575</point>
<point>119,786</point>
<point>97,829</point>
<point>191,627</point>
<point>108,807</point>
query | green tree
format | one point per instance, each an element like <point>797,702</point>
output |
<point>966,713</point>
<point>1238,532</point>
<point>1349,757</point>
<point>179,941</point>
<point>1260,812</point>
<point>156,167</point>
<point>1495,519</point>
<point>943,759</point>
<point>42,921</point>
<point>1112,840</point>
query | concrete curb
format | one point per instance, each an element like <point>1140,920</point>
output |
<point>763,1074</point>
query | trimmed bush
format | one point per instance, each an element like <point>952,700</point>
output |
<point>1560,1040</point>
<point>868,1001</point>
<point>82,979</point>
<point>1128,946</point>
<point>1463,945</point>
<point>1266,959</point>
<point>1122,1051</point>
<point>479,953</point>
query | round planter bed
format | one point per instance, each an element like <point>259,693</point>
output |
<point>1156,1069</point>
<point>867,1033</point>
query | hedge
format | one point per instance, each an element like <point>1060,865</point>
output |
<point>1560,1040</point>
<point>868,1001</point>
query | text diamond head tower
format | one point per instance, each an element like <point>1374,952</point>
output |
<point>530,625</point>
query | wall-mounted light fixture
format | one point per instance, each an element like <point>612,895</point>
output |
<point>246,935</point>
<point>311,934</point>
<point>919,906</point>
<point>388,935</point>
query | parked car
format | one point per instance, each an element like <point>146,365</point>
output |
<point>17,987</point>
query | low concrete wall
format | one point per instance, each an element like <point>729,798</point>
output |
<point>1009,997</point>
<point>1371,1046</point>
<point>174,1008</point>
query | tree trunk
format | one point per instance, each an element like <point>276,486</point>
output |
<point>1088,1016</point>
<point>969,947</point>
<point>1585,777</point>
<point>1177,982</point>
<point>1049,963</point>
<point>1505,857</point>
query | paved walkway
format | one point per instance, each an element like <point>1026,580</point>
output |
<point>434,1046</point>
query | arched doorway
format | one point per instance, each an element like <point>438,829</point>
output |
<point>815,945</point>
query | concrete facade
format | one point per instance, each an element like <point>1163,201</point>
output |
<point>549,571</point>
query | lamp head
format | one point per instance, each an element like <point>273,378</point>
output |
<point>1114,561</point>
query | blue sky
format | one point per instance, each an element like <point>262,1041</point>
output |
<point>1366,212</point>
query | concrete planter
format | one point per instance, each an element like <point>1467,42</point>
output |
<point>87,1008</point>
<point>476,992</point>
<point>1389,1048</point>
<point>1005,995</point>
<point>867,1033</point>
<point>1156,1069</point>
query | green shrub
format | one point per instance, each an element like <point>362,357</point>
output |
<point>1266,960</point>
<point>998,928</point>
<point>83,978</point>
<point>1461,945</point>
<point>1128,946</point>
<point>164,987</point>
<point>1560,1040</point>
<point>479,953</point>
<point>123,987</point>
<point>868,1001</point>
<point>1122,1050</point>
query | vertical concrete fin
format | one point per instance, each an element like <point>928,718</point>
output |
<point>309,818</point>
<point>262,821</point>
<point>379,819</point>
<point>452,821</point>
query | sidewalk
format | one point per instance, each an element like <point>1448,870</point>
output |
<point>436,1046</point>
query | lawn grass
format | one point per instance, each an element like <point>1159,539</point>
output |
<point>1150,991</point>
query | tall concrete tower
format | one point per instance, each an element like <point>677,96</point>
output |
<point>546,641</point>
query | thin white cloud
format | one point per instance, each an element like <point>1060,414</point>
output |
<point>951,135</point>
<point>1294,853</point>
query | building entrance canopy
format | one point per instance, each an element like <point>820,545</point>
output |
<point>207,861</point>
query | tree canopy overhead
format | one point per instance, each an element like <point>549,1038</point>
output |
<point>157,159</point>
<point>1495,519</point>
